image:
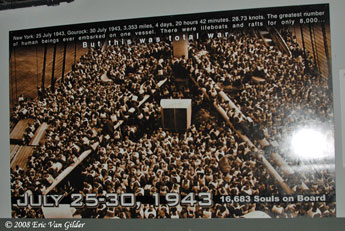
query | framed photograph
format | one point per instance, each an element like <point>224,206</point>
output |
<point>224,114</point>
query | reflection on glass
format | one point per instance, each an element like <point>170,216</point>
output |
<point>312,143</point>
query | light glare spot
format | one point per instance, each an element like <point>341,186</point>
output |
<point>309,144</point>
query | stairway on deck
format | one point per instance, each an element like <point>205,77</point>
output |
<point>314,42</point>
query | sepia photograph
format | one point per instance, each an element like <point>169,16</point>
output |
<point>209,115</point>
